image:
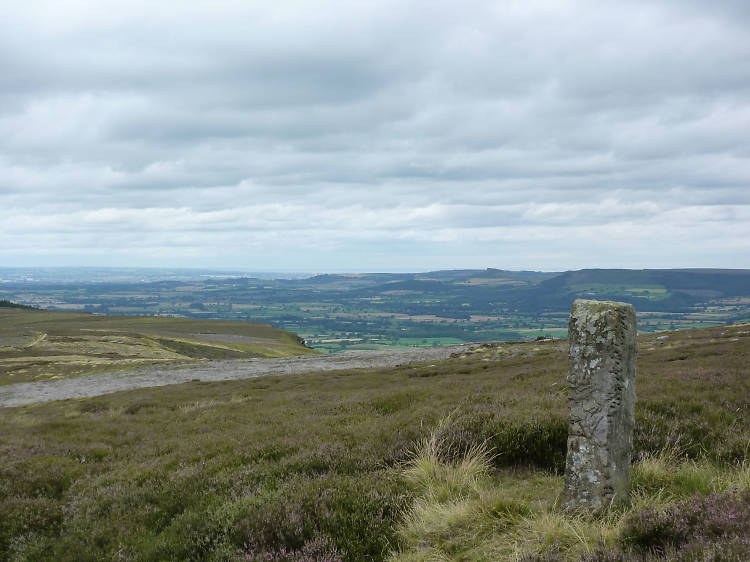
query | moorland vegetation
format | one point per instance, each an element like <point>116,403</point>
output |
<point>454,460</point>
<point>38,345</point>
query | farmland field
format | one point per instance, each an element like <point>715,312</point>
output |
<point>371,311</point>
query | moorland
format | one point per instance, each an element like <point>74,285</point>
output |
<point>370,311</point>
<point>453,460</point>
<point>38,345</point>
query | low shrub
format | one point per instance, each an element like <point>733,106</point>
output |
<point>528,443</point>
<point>354,513</point>
<point>319,549</point>
<point>93,407</point>
<point>279,468</point>
<point>135,407</point>
<point>537,443</point>
<point>198,533</point>
<point>716,521</point>
<point>701,430</point>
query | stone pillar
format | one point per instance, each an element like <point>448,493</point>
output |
<point>601,398</point>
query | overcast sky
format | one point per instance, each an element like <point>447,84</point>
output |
<point>363,136</point>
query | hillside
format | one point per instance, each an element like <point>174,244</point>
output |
<point>42,345</point>
<point>663,290</point>
<point>317,466</point>
<point>336,312</point>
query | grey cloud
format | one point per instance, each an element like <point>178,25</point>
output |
<point>499,128</point>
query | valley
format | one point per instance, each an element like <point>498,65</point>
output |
<point>374,311</point>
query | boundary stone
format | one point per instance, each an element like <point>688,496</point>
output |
<point>601,398</point>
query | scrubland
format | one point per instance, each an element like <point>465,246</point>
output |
<point>454,460</point>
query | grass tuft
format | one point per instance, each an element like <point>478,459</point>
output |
<point>311,465</point>
<point>670,474</point>
<point>466,511</point>
<point>447,480</point>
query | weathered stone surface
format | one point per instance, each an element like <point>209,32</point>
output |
<point>601,398</point>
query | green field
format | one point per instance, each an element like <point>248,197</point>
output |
<point>365,311</point>
<point>613,290</point>
<point>426,342</point>
<point>337,466</point>
<point>38,345</point>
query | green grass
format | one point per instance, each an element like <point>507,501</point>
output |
<point>40,345</point>
<point>620,290</point>
<point>251,469</point>
<point>466,511</point>
<point>427,342</point>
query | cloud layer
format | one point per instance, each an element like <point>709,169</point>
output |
<point>375,136</point>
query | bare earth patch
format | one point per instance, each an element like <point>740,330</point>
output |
<point>95,385</point>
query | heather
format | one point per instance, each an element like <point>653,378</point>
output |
<point>42,345</point>
<point>719,518</point>
<point>322,466</point>
<point>464,510</point>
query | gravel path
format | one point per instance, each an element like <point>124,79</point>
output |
<point>95,385</point>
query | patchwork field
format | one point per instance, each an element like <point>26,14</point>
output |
<point>375,311</point>
<point>41,345</point>
<point>452,460</point>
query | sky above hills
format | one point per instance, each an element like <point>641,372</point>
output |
<point>340,136</point>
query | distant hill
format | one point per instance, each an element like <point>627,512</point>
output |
<point>9,304</point>
<point>443,276</point>
<point>335,312</point>
<point>648,289</point>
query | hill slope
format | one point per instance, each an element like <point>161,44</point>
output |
<point>675,290</point>
<point>275,467</point>
<point>42,345</point>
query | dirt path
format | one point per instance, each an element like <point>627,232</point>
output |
<point>95,385</point>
